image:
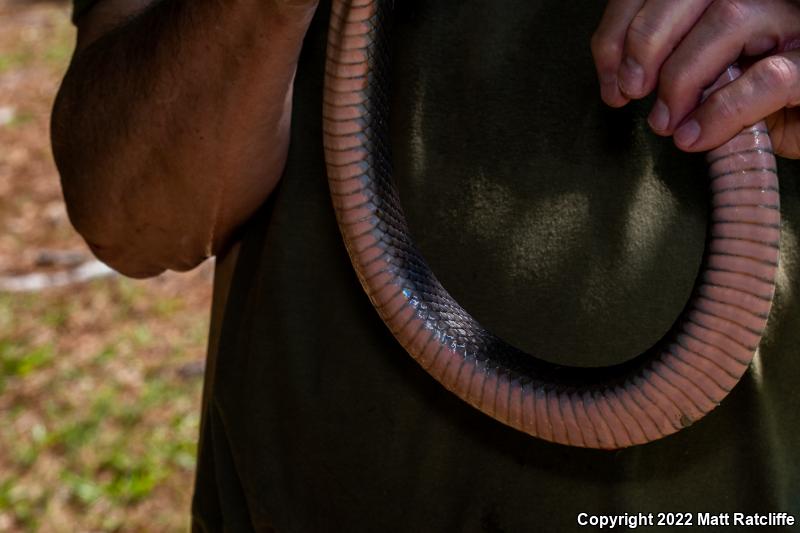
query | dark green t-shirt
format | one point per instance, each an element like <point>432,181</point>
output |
<point>80,7</point>
<point>562,225</point>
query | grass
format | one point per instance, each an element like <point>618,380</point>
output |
<point>98,428</point>
<point>54,49</point>
<point>99,392</point>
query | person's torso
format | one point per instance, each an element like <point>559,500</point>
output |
<point>565,227</point>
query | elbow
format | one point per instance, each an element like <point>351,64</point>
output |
<point>137,217</point>
<point>126,261</point>
<point>137,238</point>
<point>134,261</point>
<point>138,246</point>
<point>123,207</point>
<point>144,199</point>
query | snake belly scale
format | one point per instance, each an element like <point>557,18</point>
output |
<point>651,396</point>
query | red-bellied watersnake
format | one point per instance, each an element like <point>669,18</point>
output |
<point>656,394</point>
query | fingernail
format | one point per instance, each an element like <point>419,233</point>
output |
<point>687,134</point>
<point>659,116</point>
<point>631,77</point>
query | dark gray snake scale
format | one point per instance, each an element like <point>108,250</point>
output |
<point>657,393</point>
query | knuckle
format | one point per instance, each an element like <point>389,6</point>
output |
<point>605,48</point>
<point>726,108</point>
<point>642,33</point>
<point>776,72</point>
<point>730,13</point>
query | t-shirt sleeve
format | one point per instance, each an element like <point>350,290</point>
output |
<point>79,7</point>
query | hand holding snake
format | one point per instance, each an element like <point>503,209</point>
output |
<point>679,48</point>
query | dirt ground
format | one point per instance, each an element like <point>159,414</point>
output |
<point>100,381</point>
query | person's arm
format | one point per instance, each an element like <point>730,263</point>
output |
<point>171,125</point>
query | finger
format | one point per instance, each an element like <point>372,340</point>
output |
<point>607,45</point>
<point>653,33</point>
<point>727,29</point>
<point>769,85</point>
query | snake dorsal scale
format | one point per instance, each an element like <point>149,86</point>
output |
<point>652,396</point>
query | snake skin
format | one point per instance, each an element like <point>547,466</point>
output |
<point>667,388</point>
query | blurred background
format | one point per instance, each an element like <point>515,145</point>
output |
<point>100,376</point>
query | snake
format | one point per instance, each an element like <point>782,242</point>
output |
<point>658,393</point>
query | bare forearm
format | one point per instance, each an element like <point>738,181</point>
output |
<point>170,130</point>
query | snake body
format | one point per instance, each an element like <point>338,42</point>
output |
<point>655,394</point>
